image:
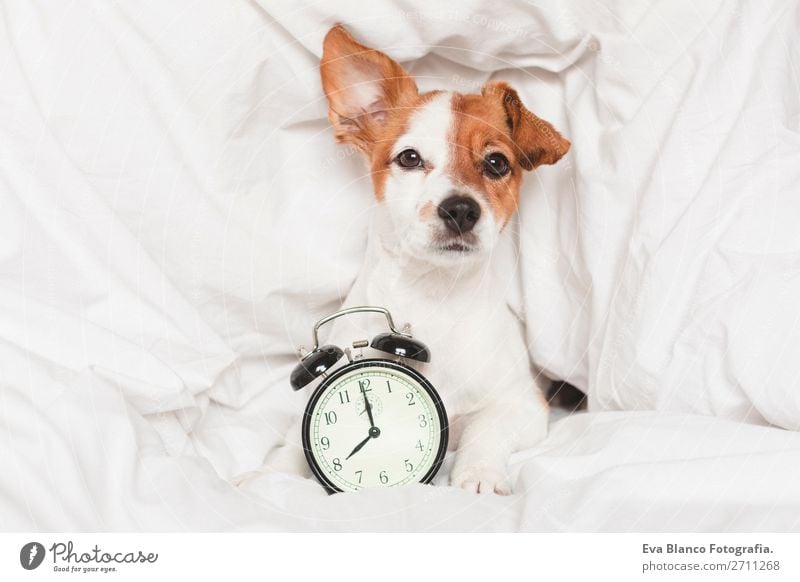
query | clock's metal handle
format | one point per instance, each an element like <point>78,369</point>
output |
<point>349,311</point>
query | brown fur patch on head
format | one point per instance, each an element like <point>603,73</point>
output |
<point>380,152</point>
<point>480,128</point>
<point>536,140</point>
<point>370,98</point>
<point>496,121</point>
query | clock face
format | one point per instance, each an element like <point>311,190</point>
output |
<point>374,423</point>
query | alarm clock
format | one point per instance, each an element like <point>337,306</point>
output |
<point>371,422</point>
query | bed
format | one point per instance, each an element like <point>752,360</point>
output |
<point>168,179</point>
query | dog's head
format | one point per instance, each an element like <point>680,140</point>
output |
<point>446,167</point>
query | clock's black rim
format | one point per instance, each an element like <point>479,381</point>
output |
<point>329,486</point>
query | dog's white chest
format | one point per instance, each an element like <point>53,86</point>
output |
<point>468,333</point>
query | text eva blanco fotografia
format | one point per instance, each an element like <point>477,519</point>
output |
<point>706,549</point>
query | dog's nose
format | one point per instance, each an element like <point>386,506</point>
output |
<point>459,213</point>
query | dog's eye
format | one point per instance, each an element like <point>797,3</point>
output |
<point>409,159</point>
<point>496,165</point>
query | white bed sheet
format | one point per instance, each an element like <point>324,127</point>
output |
<point>175,215</point>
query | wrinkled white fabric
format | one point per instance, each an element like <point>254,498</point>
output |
<point>175,215</point>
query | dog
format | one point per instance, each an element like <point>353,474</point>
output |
<point>446,170</point>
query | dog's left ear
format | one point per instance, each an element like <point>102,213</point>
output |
<point>538,141</point>
<point>363,86</point>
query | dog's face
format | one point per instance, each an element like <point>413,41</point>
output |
<point>446,168</point>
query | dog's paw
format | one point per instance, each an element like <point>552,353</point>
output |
<point>481,479</point>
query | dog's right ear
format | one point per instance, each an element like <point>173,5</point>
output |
<point>363,87</point>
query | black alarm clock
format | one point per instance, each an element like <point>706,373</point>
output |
<point>371,422</point>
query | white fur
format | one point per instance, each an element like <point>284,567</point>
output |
<point>479,364</point>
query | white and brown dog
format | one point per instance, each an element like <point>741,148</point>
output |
<point>446,170</point>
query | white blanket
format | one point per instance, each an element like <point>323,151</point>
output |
<point>175,215</point>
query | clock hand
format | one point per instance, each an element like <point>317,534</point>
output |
<point>358,447</point>
<point>373,434</point>
<point>368,406</point>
